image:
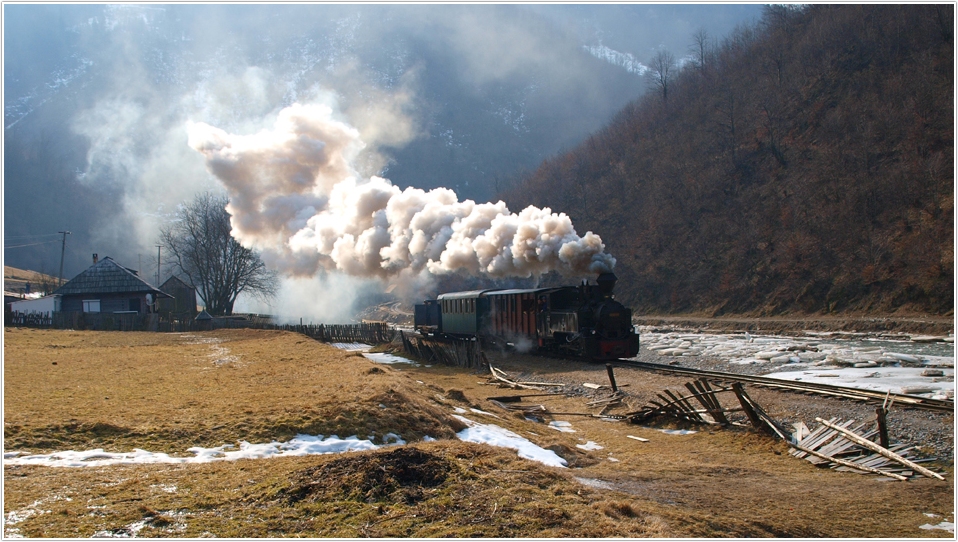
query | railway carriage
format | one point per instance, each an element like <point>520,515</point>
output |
<point>581,320</point>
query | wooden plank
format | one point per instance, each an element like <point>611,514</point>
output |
<point>686,406</point>
<point>719,415</point>
<point>701,399</point>
<point>887,453</point>
<point>846,463</point>
<point>746,405</point>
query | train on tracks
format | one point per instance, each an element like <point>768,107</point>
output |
<point>584,321</point>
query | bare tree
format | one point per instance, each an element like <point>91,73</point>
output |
<point>217,265</point>
<point>701,48</point>
<point>662,72</point>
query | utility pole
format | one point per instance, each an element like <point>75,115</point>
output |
<point>63,248</point>
<point>158,247</point>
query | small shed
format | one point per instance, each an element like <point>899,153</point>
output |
<point>182,301</point>
<point>108,287</point>
<point>47,303</point>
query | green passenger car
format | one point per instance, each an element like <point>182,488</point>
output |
<point>463,312</point>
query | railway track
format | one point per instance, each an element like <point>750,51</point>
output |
<point>941,405</point>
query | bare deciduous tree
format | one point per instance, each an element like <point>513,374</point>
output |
<point>662,71</point>
<point>701,49</point>
<point>217,265</point>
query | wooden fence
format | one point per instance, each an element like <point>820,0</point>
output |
<point>368,333</point>
<point>31,319</point>
<point>458,352</point>
<point>103,321</point>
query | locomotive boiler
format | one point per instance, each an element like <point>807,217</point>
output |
<point>583,320</point>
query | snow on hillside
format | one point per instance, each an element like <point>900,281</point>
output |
<point>624,60</point>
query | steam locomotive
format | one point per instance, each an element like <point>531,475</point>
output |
<point>581,320</point>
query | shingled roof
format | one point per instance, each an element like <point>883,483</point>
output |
<point>107,277</point>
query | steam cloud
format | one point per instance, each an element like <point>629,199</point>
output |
<point>296,196</point>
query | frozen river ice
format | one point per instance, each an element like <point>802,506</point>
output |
<point>917,365</point>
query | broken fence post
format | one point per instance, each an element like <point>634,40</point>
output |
<point>880,413</point>
<point>608,367</point>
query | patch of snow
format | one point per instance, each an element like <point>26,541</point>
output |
<point>563,427</point>
<point>166,488</point>
<point>677,431</point>
<point>617,58</point>
<point>497,436</point>
<point>352,347</point>
<point>589,446</point>
<point>16,516</point>
<point>388,359</point>
<point>483,412</point>
<point>944,525</point>
<point>300,445</point>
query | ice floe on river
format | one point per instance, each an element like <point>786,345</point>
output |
<point>920,365</point>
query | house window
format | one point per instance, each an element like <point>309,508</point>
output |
<point>91,305</point>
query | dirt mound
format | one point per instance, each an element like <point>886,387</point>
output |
<point>395,476</point>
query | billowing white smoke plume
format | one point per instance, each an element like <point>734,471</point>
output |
<point>295,196</point>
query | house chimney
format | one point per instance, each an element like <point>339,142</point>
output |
<point>95,258</point>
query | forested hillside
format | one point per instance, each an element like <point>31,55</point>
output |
<point>801,165</point>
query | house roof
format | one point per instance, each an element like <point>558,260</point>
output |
<point>107,277</point>
<point>174,282</point>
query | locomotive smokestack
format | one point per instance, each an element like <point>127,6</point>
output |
<point>606,282</point>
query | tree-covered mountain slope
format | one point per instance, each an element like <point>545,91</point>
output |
<point>801,165</point>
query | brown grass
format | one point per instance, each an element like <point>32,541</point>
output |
<point>167,392</point>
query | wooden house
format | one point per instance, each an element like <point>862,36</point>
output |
<point>108,287</point>
<point>182,301</point>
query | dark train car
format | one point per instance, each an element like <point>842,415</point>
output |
<point>581,320</point>
<point>428,317</point>
<point>461,312</point>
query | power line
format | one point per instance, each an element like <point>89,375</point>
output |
<point>36,235</point>
<point>5,246</point>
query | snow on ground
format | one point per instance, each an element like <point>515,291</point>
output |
<point>497,436</point>
<point>297,446</point>
<point>352,347</point>
<point>944,525</point>
<point>12,518</point>
<point>590,445</point>
<point>915,365</point>
<point>377,357</point>
<point>388,359</point>
<point>562,427</point>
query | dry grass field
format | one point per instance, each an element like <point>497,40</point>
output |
<point>67,390</point>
